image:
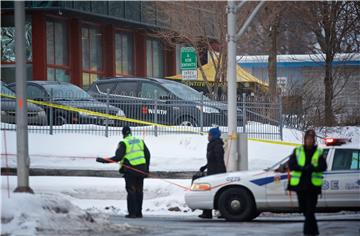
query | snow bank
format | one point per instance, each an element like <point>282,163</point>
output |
<point>33,214</point>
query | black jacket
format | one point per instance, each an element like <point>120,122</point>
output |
<point>305,184</point>
<point>119,155</point>
<point>215,157</point>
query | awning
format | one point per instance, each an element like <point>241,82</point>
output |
<point>242,76</point>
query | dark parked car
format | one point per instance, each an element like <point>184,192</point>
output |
<point>36,115</point>
<point>67,94</point>
<point>178,104</point>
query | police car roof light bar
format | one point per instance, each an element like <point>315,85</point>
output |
<point>336,141</point>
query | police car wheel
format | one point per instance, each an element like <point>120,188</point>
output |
<point>236,204</point>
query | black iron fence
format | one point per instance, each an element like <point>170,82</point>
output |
<point>147,116</point>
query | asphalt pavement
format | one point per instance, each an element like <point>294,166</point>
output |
<point>329,224</point>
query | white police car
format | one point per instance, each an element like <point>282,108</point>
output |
<point>242,196</point>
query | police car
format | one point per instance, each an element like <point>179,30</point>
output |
<point>242,196</point>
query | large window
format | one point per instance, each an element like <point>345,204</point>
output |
<point>8,48</point>
<point>154,58</point>
<point>123,53</point>
<point>57,51</point>
<point>92,67</point>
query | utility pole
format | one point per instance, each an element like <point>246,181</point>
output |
<point>232,38</point>
<point>232,87</point>
<point>23,161</point>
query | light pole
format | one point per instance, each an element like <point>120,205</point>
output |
<point>232,38</point>
<point>23,161</point>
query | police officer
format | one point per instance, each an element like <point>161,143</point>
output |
<point>215,160</point>
<point>307,164</point>
<point>134,159</point>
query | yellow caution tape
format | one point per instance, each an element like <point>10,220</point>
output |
<point>274,142</point>
<point>99,114</point>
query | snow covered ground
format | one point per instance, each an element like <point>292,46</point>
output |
<point>82,203</point>
<point>173,152</point>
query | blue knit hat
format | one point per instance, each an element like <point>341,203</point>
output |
<point>215,133</point>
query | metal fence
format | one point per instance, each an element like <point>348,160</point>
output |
<point>259,118</point>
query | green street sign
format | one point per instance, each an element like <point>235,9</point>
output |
<point>188,58</point>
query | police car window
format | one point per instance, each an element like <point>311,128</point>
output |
<point>148,91</point>
<point>346,159</point>
<point>126,89</point>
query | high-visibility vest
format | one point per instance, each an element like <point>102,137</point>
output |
<point>316,177</point>
<point>134,151</point>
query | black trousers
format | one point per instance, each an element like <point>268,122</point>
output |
<point>307,205</point>
<point>134,188</point>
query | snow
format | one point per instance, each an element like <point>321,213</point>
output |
<point>74,201</point>
<point>48,213</point>
<point>170,152</point>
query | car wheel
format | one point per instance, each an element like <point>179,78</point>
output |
<point>236,204</point>
<point>187,121</point>
<point>60,120</point>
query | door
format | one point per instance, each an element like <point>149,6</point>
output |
<point>149,93</point>
<point>342,183</point>
<point>125,97</point>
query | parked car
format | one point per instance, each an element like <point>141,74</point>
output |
<point>36,115</point>
<point>67,94</point>
<point>177,104</point>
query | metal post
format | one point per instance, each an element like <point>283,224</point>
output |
<point>243,151</point>
<point>202,113</point>
<point>244,112</point>
<point>23,161</point>
<point>107,112</point>
<point>51,116</point>
<point>156,115</point>
<point>281,125</point>
<point>231,80</point>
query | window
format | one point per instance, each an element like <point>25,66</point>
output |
<point>35,92</point>
<point>105,86</point>
<point>154,58</point>
<point>126,89</point>
<point>57,51</point>
<point>346,159</point>
<point>123,54</point>
<point>8,48</point>
<point>92,67</point>
<point>148,91</point>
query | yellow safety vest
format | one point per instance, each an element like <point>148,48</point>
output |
<point>134,151</point>
<point>316,177</point>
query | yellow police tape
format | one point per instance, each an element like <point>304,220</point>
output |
<point>99,114</point>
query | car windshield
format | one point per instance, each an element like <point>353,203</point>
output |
<point>67,92</point>
<point>183,92</point>
<point>6,90</point>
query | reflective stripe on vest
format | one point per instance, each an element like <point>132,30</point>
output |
<point>134,151</point>
<point>316,177</point>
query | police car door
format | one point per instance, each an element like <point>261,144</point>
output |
<point>342,182</point>
<point>276,189</point>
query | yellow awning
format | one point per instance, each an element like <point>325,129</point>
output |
<point>242,76</point>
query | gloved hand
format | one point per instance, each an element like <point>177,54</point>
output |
<point>101,160</point>
<point>202,169</point>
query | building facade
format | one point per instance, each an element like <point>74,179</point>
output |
<point>81,41</point>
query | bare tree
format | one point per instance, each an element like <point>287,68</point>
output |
<point>335,26</point>
<point>201,25</point>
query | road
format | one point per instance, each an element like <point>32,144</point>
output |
<point>329,224</point>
